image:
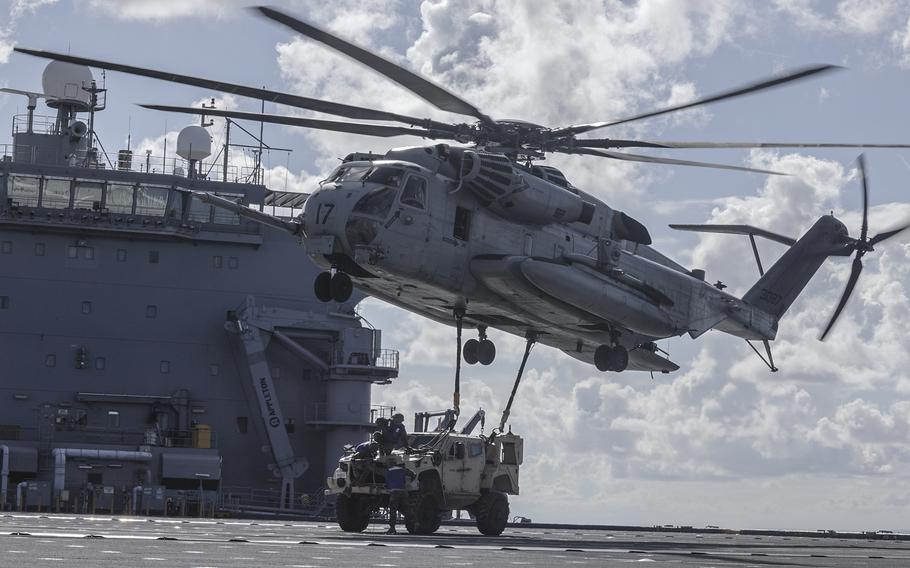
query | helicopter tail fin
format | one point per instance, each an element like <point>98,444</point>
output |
<point>779,287</point>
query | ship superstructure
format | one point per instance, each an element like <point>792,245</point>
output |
<point>158,354</point>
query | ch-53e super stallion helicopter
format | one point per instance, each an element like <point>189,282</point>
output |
<point>478,235</point>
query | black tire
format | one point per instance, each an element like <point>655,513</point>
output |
<point>486,352</point>
<point>352,513</point>
<point>423,514</point>
<point>470,351</point>
<point>342,287</point>
<point>620,359</point>
<point>492,512</point>
<point>323,286</point>
<point>602,358</point>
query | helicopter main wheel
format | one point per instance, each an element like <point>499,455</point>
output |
<point>341,287</point>
<point>471,351</point>
<point>607,358</point>
<point>486,352</point>
<point>323,287</point>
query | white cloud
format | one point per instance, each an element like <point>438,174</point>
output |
<point>161,10</point>
<point>17,10</point>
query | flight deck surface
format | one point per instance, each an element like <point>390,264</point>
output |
<point>74,540</point>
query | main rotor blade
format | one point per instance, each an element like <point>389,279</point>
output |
<point>656,160</point>
<point>887,235</point>
<point>423,88</point>
<point>328,107</point>
<point>619,143</point>
<point>336,126</point>
<point>848,290</point>
<point>864,230</point>
<point>776,81</point>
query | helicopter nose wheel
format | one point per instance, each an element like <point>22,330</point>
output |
<point>328,287</point>
<point>607,358</point>
<point>480,350</point>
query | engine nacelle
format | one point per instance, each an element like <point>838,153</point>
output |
<point>516,194</point>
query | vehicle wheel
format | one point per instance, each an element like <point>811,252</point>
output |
<point>619,359</point>
<point>602,357</point>
<point>352,513</point>
<point>323,286</point>
<point>423,515</point>
<point>486,352</point>
<point>342,287</point>
<point>492,512</point>
<point>470,351</point>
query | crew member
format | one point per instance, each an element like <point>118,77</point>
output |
<point>398,434</point>
<point>398,495</point>
<point>381,436</point>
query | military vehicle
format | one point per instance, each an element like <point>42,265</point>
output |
<point>446,471</point>
<point>476,232</point>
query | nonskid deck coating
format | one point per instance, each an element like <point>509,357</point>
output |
<point>74,540</point>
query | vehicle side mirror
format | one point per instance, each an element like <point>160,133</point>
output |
<point>459,450</point>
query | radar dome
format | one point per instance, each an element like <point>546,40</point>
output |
<point>194,143</point>
<point>62,84</point>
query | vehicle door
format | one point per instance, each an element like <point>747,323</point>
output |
<point>474,463</point>
<point>409,225</point>
<point>453,466</point>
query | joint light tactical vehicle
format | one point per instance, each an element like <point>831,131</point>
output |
<point>445,471</point>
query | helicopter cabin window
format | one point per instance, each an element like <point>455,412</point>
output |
<point>151,201</point>
<point>87,195</point>
<point>386,176</point>
<point>119,198</point>
<point>377,203</point>
<point>23,190</point>
<point>462,224</point>
<point>350,173</point>
<point>56,193</point>
<point>415,193</point>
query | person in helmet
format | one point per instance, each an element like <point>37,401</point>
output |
<point>397,433</point>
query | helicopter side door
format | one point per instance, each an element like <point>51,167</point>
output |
<point>409,225</point>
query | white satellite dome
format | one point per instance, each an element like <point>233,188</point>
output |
<point>194,143</point>
<point>63,82</point>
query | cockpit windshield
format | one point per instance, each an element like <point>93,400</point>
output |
<point>385,175</point>
<point>377,203</point>
<point>374,174</point>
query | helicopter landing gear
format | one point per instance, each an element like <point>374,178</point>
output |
<point>336,287</point>
<point>608,358</point>
<point>480,350</point>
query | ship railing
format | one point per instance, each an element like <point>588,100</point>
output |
<point>167,438</point>
<point>127,161</point>
<point>41,124</point>
<point>238,499</point>
<point>387,359</point>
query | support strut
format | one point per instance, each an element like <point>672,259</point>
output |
<point>531,338</point>
<point>459,325</point>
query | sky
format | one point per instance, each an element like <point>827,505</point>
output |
<point>822,444</point>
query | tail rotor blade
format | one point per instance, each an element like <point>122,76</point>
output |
<point>887,235</point>
<point>848,290</point>
<point>862,176</point>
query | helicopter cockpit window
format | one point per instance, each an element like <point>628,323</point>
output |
<point>349,173</point>
<point>415,193</point>
<point>385,175</point>
<point>377,203</point>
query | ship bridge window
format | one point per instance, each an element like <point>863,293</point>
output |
<point>119,198</point>
<point>225,217</point>
<point>415,193</point>
<point>151,201</point>
<point>199,211</point>
<point>385,175</point>
<point>377,203</point>
<point>23,190</point>
<point>87,195</point>
<point>56,194</point>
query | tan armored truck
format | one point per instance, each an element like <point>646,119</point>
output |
<point>445,471</point>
